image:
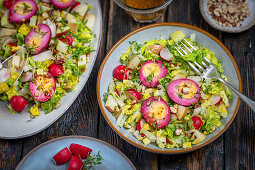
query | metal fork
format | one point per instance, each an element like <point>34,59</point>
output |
<point>208,70</point>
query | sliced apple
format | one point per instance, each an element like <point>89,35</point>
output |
<point>155,48</point>
<point>82,62</point>
<point>111,105</point>
<point>133,62</point>
<point>91,18</point>
<point>7,32</point>
<point>62,31</point>
<point>181,111</point>
<point>70,18</point>
<point>61,46</point>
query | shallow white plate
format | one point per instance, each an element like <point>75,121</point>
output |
<point>149,32</point>
<point>42,155</point>
<point>13,126</point>
<point>247,23</point>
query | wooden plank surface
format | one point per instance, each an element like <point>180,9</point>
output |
<point>233,150</point>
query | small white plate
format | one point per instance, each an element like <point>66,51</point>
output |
<point>247,23</point>
<point>13,126</point>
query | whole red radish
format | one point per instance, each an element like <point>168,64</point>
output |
<point>80,150</point>
<point>197,122</point>
<point>133,94</point>
<point>121,72</point>
<point>140,126</point>
<point>56,69</point>
<point>18,103</point>
<point>75,163</point>
<point>62,156</point>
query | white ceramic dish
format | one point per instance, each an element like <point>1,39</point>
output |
<point>248,22</point>
<point>112,60</point>
<point>42,155</point>
<point>13,126</point>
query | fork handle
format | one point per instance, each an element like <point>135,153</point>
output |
<point>248,101</point>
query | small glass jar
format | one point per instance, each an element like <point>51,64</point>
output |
<point>144,15</point>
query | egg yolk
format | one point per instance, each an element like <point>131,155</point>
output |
<point>152,69</point>
<point>64,1</point>
<point>187,90</point>
<point>35,42</point>
<point>44,83</point>
<point>157,110</point>
<point>23,8</point>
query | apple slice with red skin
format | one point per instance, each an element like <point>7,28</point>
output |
<point>118,92</point>
<point>139,126</point>
<point>121,72</point>
<point>62,156</point>
<point>133,94</point>
<point>215,99</point>
<point>166,55</point>
<point>68,39</point>
<point>80,150</point>
<point>75,5</point>
<point>56,69</point>
<point>75,163</point>
<point>197,122</point>
<point>18,103</point>
<point>155,48</point>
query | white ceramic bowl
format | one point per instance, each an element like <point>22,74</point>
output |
<point>13,126</point>
<point>247,23</point>
<point>112,60</point>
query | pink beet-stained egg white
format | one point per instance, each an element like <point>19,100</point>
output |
<point>38,38</point>
<point>151,71</point>
<point>62,4</point>
<point>184,91</point>
<point>156,112</point>
<point>22,10</point>
<point>43,87</point>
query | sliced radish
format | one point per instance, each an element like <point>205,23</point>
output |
<point>197,122</point>
<point>165,54</point>
<point>139,126</point>
<point>62,156</point>
<point>4,75</point>
<point>215,99</point>
<point>75,163</point>
<point>27,76</point>
<point>133,94</point>
<point>18,103</point>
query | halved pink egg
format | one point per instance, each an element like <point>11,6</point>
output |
<point>43,87</point>
<point>38,38</point>
<point>151,71</point>
<point>62,4</point>
<point>22,10</point>
<point>184,91</point>
<point>156,112</point>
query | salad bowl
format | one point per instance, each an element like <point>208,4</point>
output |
<point>21,125</point>
<point>156,31</point>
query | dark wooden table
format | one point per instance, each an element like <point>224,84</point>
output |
<point>232,150</point>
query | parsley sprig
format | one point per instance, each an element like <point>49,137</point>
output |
<point>92,160</point>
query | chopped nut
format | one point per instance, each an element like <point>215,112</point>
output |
<point>45,15</point>
<point>178,132</point>
<point>228,13</point>
<point>173,110</point>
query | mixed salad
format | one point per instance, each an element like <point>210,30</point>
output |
<point>49,43</point>
<point>157,97</point>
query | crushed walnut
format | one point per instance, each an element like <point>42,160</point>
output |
<point>228,13</point>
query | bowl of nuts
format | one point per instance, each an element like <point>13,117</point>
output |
<point>231,16</point>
